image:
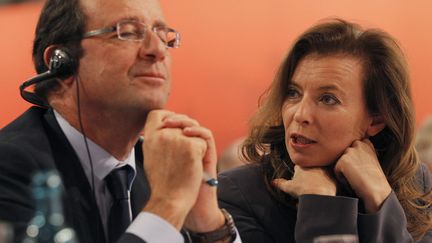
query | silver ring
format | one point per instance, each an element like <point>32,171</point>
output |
<point>212,182</point>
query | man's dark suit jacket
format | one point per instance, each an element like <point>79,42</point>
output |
<point>261,218</point>
<point>34,142</point>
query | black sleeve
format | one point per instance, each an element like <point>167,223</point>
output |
<point>315,215</point>
<point>232,198</point>
<point>325,215</point>
<point>389,224</point>
<point>427,179</point>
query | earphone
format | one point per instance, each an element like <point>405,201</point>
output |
<point>61,65</point>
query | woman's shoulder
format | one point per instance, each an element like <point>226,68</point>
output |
<point>247,170</point>
<point>247,179</point>
<point>424,177</point>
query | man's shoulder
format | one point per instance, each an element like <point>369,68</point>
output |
<point>25,128</point>
<point>25,139</point>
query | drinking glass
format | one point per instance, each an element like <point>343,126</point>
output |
<point>6,232</point>
<point>336,239</point>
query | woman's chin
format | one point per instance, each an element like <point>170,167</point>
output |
<point>311,163</point>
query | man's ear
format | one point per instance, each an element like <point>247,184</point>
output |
<point>49,51</point>
<point>376,126</point>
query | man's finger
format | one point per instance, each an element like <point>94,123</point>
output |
<point>179,122</point>
<point>155,119</point>
<point>207,135</point>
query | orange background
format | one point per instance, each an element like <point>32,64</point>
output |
<point>231,50</point>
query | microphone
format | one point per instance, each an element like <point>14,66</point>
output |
<point>61,66</point>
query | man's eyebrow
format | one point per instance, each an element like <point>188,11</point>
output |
<point>113,23</point>
<point>158,23</point>
<point>133,18</point>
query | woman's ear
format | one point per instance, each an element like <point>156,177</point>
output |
<point>376,126</point>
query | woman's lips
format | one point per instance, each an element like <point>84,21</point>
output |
<point>298,140</point>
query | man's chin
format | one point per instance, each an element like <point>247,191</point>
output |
<point>153,103</point>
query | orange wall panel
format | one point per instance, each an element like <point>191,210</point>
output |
<point>231,50</point>
<point>17,24</point>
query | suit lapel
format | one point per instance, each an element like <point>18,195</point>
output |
<point>81,210</point>
<point>80,207</point>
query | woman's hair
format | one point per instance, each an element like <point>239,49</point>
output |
<point>387,92</point>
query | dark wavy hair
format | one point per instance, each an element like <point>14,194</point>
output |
<point>61,23</point>
<point>387,92</point>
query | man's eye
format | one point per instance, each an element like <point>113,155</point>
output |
<point>131,32</point>
<point>128,34</point>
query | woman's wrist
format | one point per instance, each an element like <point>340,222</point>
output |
<point>375,201</point>
<point>322,191</point>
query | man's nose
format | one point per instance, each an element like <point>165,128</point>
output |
<point>153,48</point>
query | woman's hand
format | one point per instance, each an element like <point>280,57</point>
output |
<point>317,180</point>
<point>360,167</point>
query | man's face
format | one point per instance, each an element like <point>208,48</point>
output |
<point>122,75</point>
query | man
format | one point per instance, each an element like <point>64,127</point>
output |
<point>93,128</point>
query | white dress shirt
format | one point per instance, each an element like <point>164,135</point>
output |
<point>147,226</point>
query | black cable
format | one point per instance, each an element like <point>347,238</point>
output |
<point>88,153</point>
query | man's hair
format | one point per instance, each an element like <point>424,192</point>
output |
<point>387,92</point>
<point>61,23</point>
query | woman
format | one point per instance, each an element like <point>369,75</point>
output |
<point>331,146</point>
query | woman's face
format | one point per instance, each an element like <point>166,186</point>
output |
<point>324,110</point>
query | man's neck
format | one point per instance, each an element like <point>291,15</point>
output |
<point>116,133</point>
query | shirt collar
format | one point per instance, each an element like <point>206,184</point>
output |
<point>103,162</point>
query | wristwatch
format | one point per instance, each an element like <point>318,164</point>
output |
<point>225,232</point>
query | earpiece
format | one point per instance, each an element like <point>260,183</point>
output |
<point>61,65</point>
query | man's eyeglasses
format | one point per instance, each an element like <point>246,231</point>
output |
<point>135,31</point>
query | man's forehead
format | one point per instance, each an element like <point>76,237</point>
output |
<point>106,12</point>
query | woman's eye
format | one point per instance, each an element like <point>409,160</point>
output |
<point>292,93</point>
<point>329,99</point>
